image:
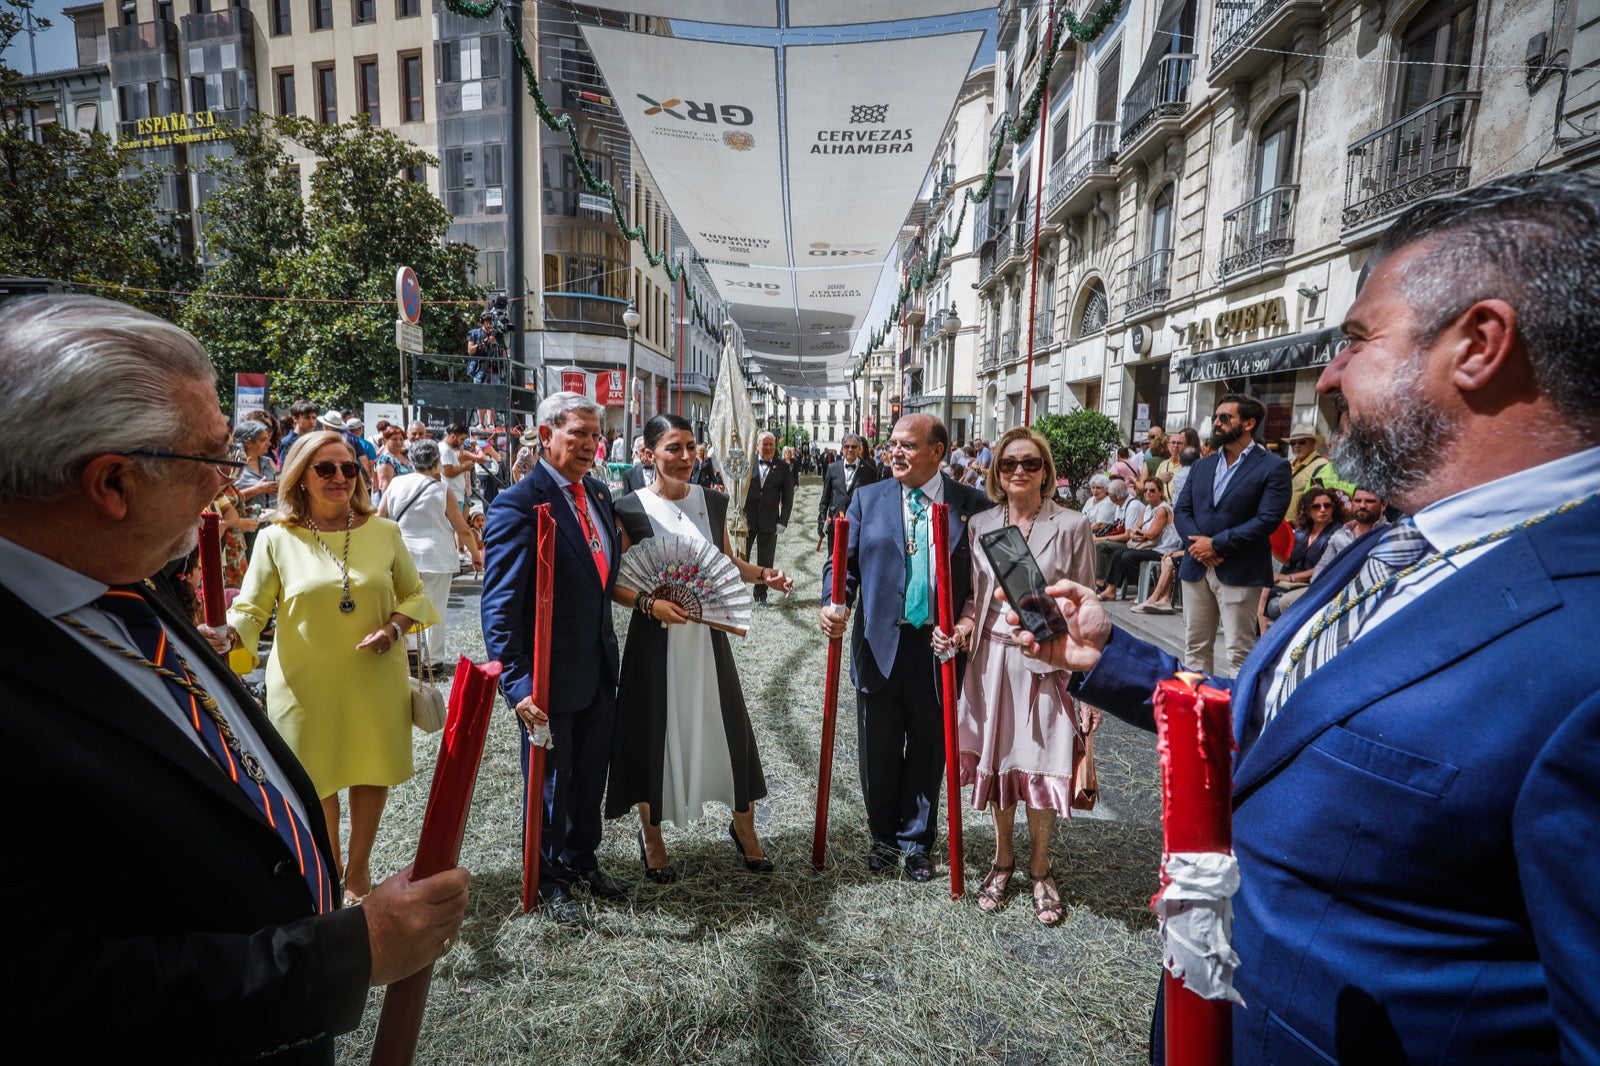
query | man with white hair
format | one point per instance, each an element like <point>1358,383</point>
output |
<point>583,698</point>
<point>767,505</point>
<point>641,473</point>
<point>128,739</point>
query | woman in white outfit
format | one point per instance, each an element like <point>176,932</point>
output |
<point>429,517</point>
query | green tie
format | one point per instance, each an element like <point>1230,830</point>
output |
<point>917,562</point>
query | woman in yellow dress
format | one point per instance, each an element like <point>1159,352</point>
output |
<point>346,590</point>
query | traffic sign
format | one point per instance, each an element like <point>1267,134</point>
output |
<point>408,297</point>
<point>407,337</point>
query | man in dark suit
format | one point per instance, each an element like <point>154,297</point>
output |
<point>1413,795</point>
<point>839,484</point>
<point>898,712</point>
<point>583,644</point>
<point>1232,501</point>
<point>767,505</point>
<point>219,936</point>
<point>640,474</point>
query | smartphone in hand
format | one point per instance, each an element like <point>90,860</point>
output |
<point>1019,574</point>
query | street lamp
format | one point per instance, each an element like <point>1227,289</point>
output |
<point>951,325</point>
<point>630,318</point>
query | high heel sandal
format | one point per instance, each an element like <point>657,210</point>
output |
<point>996,887</point>
<point>661,875</point>
<point>762,865</point>
<point>1048,910</point>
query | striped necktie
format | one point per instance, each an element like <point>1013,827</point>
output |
<point>1341,620</point>
<point>199,708</point>
<point>591,532</point>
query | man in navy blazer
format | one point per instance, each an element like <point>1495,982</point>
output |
<point>898,713</point>
<point>583,643</point>
<point>1231,502</point>
<point>209,937</point>
<point>1414,819</point>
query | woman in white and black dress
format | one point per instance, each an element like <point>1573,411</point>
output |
<point>682,735</point>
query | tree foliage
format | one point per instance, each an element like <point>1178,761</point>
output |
<point>1081,442</point>
<point>324,268</point>
<point>74,208</point>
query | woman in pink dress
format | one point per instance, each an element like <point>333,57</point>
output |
<point>1017,725</point>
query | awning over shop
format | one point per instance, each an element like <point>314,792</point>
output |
<point>1302,351</point>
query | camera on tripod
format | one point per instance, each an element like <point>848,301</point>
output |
<point>499,316</point>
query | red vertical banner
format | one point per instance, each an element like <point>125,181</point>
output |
<point>544,601</point>
<point>1194,735</point>
<point>575,380</point>
<point>609,390</point>
<point>939,518</point>
<point>444,823</point>
<point>830,696</point>
<point>213,598</point>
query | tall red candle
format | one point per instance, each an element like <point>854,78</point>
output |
<point>830,697</point>
<point>439,846</point>
<point>939,518</point>
<point>1194,735</point>
<point>213,598</point>
<point>544,601</point>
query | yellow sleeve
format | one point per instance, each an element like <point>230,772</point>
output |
<point>411,599</point>
<point>252,609</point>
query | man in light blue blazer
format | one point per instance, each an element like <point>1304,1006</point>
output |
<point>1417,793</point>
<point>898,712</point>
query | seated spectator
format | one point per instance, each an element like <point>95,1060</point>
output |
<point>1101,510</point>
<point>1321,514</point>
<point>1152,536</point>
<point>1368,511</point>
<point>1128,512</point>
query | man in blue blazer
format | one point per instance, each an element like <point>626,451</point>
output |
<point>1415,811</point>
<point>1231,502</point>
<point>583,644</point>
<point>898,714</point>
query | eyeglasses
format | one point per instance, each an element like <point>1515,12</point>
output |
<point>1324,506</point>
<point>1224,418</point>
<point>325,470</point>
<point>228,469</point>
<point>1148,492</point>
<point>1032,465</point>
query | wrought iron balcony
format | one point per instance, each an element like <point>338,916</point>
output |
<point>1008,346</point>
<point>988,355</point>
<point>1163,92</point>
<point>1425,153</point>
<point>1149,281</point>
<point>1002,143</point>
<point>1264,25</point>
<point>1091,156</point>
<point>1259,231</point>
<point>1044,329</point>
<point>986,263</point>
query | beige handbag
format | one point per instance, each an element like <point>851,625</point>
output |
<point>427,702</point>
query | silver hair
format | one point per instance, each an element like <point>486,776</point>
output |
<point>424,454</point>
<point>554,408</point>
<point>1100,481</point>
<point>1112,488</point>
<point>247,431</point>
<point>766,435</point>
<point>81,376</point>
<point>848,437</point>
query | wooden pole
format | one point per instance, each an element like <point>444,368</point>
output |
<point>939,518</point>
<point>544,601</point>
<point>830,697</point>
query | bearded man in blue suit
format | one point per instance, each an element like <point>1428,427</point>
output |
<point>898,713</point>
<point>1417,793</point>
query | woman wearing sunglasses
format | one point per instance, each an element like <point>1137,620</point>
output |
<point>1018,726</point>
<point>1321,514</point>
<point>345,590</point>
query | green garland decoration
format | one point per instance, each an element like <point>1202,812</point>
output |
<point>1016,129</point>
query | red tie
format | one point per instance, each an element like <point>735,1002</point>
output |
<point>596,550</point>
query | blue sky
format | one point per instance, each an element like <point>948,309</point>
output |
<point>55,48</point>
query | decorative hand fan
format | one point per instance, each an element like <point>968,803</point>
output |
<point>692,574</point>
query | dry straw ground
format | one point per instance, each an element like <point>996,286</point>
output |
<point>846,966</point>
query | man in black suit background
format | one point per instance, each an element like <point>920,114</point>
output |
<point>839,484</point>
<point>583,695</point>
<point>767,505</point>
<point>220,937</point>
<point>640,474</point>
<point>1231,502</point>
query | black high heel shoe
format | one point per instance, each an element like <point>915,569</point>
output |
<point>664,875</point>
<point>762,865</point>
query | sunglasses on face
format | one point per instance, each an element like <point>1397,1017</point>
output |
<point>1031,465</point>
<point>325,470</point>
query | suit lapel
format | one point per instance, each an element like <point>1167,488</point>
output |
<point>567,523</point>
<point>1384,661</point>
